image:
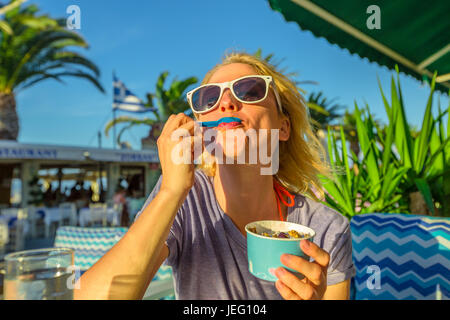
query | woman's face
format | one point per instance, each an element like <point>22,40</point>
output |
<point>261,115</point>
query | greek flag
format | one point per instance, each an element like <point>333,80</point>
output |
<point>125,100</point>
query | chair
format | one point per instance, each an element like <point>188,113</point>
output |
<point>36,218</point>
<point>52,219</point>
<point>117,218</point>
<point>98,213</point>
<point>162,285</point>
<point>18,228</point>
<point>69,213</point>
<point>400,256</point>
<point>89,244</point>
<point>4,237</point>
<point>117,209</point>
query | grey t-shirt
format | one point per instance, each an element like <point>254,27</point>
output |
<point>208,253</point>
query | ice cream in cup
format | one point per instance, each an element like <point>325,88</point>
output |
<point>267,240</point>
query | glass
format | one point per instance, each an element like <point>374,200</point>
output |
<point>250,89</point>
<point>205,98</point>
<point>247,89</point>
<point>43,274</point>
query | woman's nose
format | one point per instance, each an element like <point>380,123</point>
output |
<point>228,102</point>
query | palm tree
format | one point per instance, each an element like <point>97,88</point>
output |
<point>171,101</point>
<point>4,26</point>
<point>33,48</point>
<point>323,112</point>
<point>292,75</point>
<point>8,7</point>
<point>277,63</point>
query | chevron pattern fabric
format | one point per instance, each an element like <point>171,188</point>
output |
<point>401,257</point>
<point>164,272</point>
<point>90,244</point>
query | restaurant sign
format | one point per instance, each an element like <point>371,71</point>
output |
<point>28,153</point>
<point>18,151</point>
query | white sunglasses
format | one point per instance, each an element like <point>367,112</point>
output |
<point>248,89</point>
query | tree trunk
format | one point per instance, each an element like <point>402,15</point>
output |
<point>9,122</point>
<point>446,204</point>
<point>418,204</point>
<point>149,142</point>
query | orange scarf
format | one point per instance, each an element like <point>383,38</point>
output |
<point>279,189</point>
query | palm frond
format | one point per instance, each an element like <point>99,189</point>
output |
<point>38,50</point>
<point>127,119</point>
<point>323,111</point>
<point>11,6</point>
<point>4,26</point>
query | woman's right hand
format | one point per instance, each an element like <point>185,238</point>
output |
<point>177,177</point>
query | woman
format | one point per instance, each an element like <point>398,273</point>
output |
<point>195,219</point>
<point>120,196</point>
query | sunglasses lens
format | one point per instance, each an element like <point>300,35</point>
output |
<point>205,98</point>
<point>250,89</point>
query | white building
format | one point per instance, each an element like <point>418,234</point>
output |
<point>61,163</point>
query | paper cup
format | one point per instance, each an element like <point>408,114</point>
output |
<point>264,253</point>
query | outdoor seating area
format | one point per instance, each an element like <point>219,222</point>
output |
<point>397,256</point>
<point>89,245</point>
<point>22,224</point>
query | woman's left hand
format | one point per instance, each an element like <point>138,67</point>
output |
<point>313,286</point>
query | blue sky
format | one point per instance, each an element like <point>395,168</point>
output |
<point>140,39</point>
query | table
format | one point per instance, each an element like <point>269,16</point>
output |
<point>90,215</point>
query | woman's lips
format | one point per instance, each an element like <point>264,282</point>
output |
<point>229,125</point>
<point>222,121</point>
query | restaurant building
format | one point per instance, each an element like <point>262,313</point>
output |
<point>55,166</point>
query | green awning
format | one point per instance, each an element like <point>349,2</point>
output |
<point>414,34</point>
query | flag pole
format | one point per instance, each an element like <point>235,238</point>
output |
<point>114,115</point>
<point>114,128</point>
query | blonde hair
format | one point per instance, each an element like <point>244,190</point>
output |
<point>301,157</point>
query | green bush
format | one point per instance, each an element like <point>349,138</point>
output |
<point>394,162</point>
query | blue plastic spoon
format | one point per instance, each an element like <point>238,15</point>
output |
<point>212,124</point>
